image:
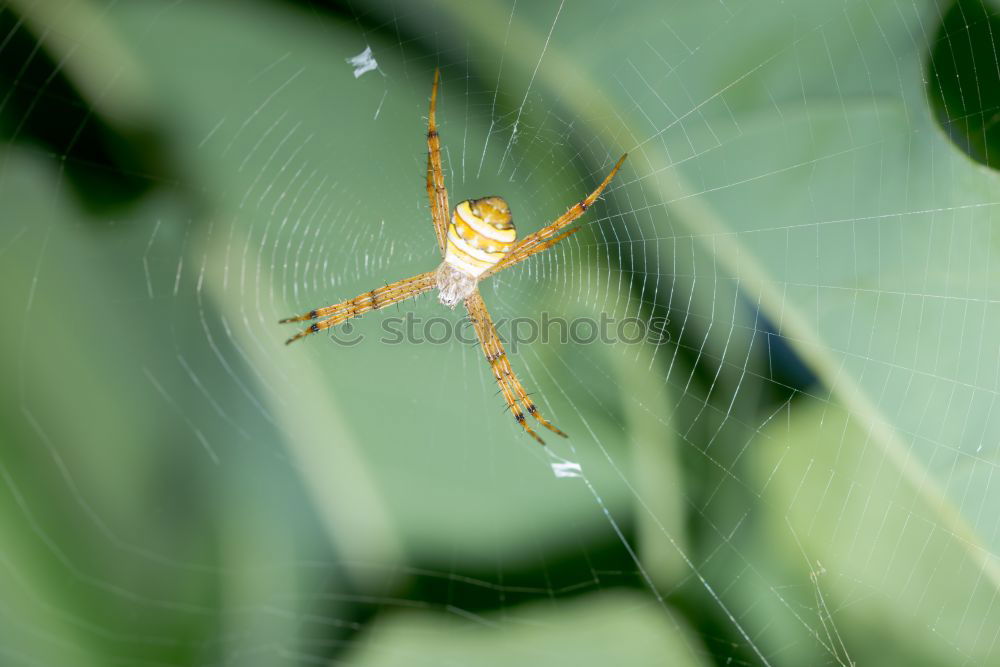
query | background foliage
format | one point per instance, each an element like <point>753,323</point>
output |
<point>802,476</point>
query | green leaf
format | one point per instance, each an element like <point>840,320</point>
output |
<point>617,627</point>
<point>117,475</point>
<point>853,551</point>
<point>786,171</point>
<point>802,160</point>
<point>964,80</point>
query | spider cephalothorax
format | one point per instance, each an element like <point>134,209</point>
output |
<point>479,241</point>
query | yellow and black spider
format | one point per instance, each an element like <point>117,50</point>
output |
<point>477,243</point>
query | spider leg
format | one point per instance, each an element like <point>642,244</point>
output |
<point>534,250</point>
<point>511,388</point>
<point>539,241</point>
<point>373,300</point>
<point>437,193</point>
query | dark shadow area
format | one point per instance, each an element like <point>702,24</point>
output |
<point>108,168</point>
<point>963,79</point>
<point>451,588</point>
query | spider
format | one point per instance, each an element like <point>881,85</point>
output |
<point>478,242</point>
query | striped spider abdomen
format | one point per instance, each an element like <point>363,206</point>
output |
<point>480,234</point>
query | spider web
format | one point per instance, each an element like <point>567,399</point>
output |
<point>799,472</point>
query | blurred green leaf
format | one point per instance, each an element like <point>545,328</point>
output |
<point>207,494</point>
<point>803,158</point>
<point>856,553</point>
<point>117,539</point>
<point>963,87</point>
<point>621,628</point>
<point>866,286</point>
